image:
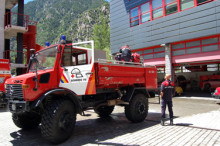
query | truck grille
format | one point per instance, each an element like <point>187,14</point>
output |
<point>14,91</point>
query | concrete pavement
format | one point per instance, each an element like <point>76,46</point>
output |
<point>191,128</point>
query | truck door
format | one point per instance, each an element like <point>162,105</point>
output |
<point>78,68</point>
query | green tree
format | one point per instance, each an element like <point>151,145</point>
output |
<point>101,35</point>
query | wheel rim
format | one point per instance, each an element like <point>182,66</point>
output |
<point>65,121</point>
<point>140,108</point>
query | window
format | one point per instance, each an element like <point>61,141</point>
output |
<point>178,49</point>
<point>178,46</point>
<point>179,52</point>
<point>202,1</point>
<point>134,17</point>
<point>198,46</point>
<point>150,56</point>
<point>72,56</point>
<point>210,48</point>
<point>145,12</point>
<point>210,41</point>
<point>192,44</point>
<point>154,9</point>
<point>157,8</point>
<point>181,69</point>
<point>185,4</point>
<point>148,51</point>
<point>171,6</point>
<point>213,67</point>
<point>212,45</point>
<point>159,49</point>
<point>139,52</point>
<point>160,69</point>
<point>193,50</point>
<point>157,52</point>
<point>46,59</point>
<point>82,59</point>
<point>159,55</point>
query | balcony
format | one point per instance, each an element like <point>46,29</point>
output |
<point>11,28</point>
<point>10,4</point>
<point>11,55</point>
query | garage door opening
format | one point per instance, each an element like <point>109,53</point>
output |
<point>196,79</point>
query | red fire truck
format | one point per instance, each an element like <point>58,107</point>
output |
<point>5,74</point>
<point>209,82</point>
<point>64,80</point>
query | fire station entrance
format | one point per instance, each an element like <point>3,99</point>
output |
<point>196,77</point>
<point>195,64</point>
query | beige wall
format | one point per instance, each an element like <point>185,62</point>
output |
<point>99,54</point>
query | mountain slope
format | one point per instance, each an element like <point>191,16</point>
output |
<point>82,28</point>
<point>75,18</point>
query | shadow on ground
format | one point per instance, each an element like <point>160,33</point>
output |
<point>4,109</point>
<point>90,131</point>
<point>183,124</point>
<point>197,94</point>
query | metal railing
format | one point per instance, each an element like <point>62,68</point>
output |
<point>11,19</point>
<point>11,55</point>
<point>32,23</point>
<point>119,62</point>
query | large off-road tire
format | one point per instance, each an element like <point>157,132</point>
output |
<point>137,109</point>
<point>104,111</point>
<point>58,121</point>
<point>26,120</point>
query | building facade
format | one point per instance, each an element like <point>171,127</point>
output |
<point>168,33</point>
<point>16,25</point>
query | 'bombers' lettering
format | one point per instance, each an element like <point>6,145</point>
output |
<point>76,80</point>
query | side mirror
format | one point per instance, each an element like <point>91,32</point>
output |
<point>57,49</point>
<point>32,51</point>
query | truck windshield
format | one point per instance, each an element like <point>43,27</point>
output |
<point>46,59</point>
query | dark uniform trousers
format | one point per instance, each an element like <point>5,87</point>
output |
<point>163,108</point>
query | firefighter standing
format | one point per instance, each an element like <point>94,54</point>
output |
<point>167,91</point>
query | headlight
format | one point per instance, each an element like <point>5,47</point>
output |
<point>2,80</point>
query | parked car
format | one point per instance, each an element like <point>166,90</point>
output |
<point>216,94</point>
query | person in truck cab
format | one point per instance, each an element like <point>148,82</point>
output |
<point>167,92</point>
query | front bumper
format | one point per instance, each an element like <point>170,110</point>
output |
<point>16,106</point>
<point>2,98</point>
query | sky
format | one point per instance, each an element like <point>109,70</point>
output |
<point>26,1</point>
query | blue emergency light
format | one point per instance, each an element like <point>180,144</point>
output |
<point>63,37</point>
<point>47,44</point>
